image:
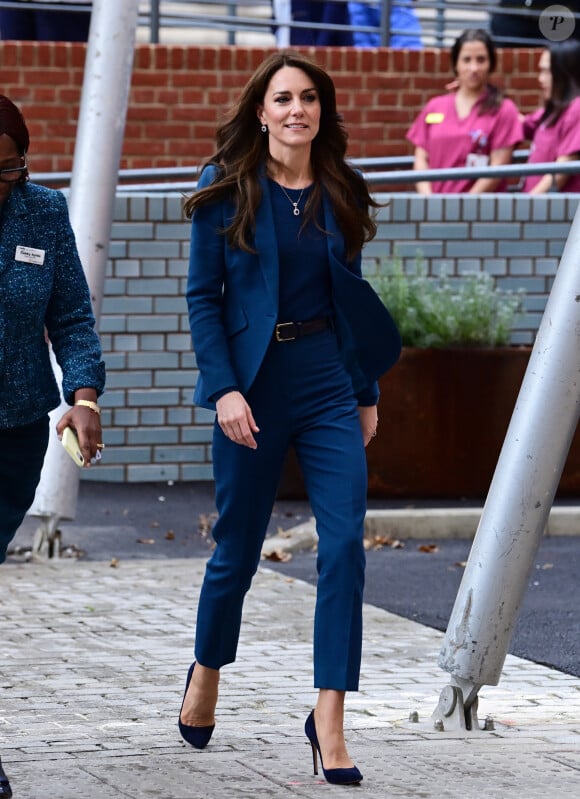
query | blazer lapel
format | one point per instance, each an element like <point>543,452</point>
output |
<point>335,240</point>
<point>265,240</point>
<point>370,341</point>
<point>19,232</point>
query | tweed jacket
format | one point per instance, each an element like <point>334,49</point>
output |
<point>232,298</point>
<point>43,292</point>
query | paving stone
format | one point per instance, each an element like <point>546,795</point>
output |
<point>92,670</point>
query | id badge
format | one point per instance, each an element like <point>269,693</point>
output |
<point>29,255</point>
<point>477,160</point>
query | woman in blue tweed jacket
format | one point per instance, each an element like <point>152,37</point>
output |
<point>43,297</point>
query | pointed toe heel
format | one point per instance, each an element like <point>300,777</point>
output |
<point>335,776</point>
<point>197,737</point>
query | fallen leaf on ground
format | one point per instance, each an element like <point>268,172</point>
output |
<point>145,540</point>
<point>114,563</point>
<point>379,541</point>
<point>461,563</point>
<point>170,535</point>
<point>548,566</point>
<point>428,548</point>
<point>278,556</point>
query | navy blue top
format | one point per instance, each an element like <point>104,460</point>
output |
<point>304,277</point>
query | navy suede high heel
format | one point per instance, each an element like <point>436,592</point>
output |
<point>196,736</point>
<point>336,776</point>
<point>5,789</point>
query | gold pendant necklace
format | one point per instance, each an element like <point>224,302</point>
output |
<point>295,209</point>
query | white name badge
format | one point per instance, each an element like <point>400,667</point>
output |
<point>30,255</point>
<point>477,159</point>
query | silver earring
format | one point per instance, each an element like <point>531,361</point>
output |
<point>264,128</point>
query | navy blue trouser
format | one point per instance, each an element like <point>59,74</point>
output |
<point>22,451</point>
<point>302,396</point>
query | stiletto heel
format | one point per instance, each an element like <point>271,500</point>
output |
<point>314,758</point>
<point>196,736</point>
<point>5,789</point>
<point>336,776</point>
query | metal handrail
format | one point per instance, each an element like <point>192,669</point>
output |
<point>434,30</point>
<point>163,173</point>
<point>375,162</point>
<point>373,169</point>
<point>472,173</point>
<point>441,20</point>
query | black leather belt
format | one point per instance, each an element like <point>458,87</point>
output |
<point>289,331</point>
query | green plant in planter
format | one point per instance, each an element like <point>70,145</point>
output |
<point>468,311</point>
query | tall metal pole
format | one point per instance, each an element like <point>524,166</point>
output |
<point>104,101</point>
<point>520,496</point>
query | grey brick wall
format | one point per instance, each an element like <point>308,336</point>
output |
<point>152,430</point>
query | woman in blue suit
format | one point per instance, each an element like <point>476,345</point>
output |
<point>289,341</point>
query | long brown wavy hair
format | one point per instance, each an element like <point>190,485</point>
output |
<point>242,154</point>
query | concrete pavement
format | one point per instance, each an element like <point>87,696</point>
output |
<point>92,665</point>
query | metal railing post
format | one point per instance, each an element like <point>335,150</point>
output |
<point>386,22</point>
<point>154,22</point>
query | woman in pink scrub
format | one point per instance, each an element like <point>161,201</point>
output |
<point>555,129</point>
<point>472,126</point>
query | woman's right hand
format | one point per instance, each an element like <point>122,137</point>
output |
<point>236,420</point>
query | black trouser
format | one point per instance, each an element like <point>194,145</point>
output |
<point>22,451</point>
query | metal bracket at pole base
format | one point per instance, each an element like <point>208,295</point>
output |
<point>47,539</point>
<point>452,714</point>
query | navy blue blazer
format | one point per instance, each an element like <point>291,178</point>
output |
<point>232,297</point>
<point>42,289</point>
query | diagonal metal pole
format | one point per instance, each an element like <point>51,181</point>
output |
<point>518,504</point>
<point>104,101</point>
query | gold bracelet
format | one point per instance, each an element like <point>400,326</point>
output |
<point>89,404</point>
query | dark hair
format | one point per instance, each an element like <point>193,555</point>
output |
<point>12,124</point>
<point>494,97</point>
<point>565,70</point>
<point>242,150</point>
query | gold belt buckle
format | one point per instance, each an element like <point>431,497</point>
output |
<point>279,329</point>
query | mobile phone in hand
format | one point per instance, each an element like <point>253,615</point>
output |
<point>70,442</point>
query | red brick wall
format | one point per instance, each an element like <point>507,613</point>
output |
<point>178,94</point>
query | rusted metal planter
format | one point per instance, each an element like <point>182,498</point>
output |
<point>443,416</point>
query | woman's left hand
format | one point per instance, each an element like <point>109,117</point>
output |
<point>369,419</point>
<point>87,425</point>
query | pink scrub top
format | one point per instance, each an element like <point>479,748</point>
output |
<point>454,142</point>
<point>548,143</point>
